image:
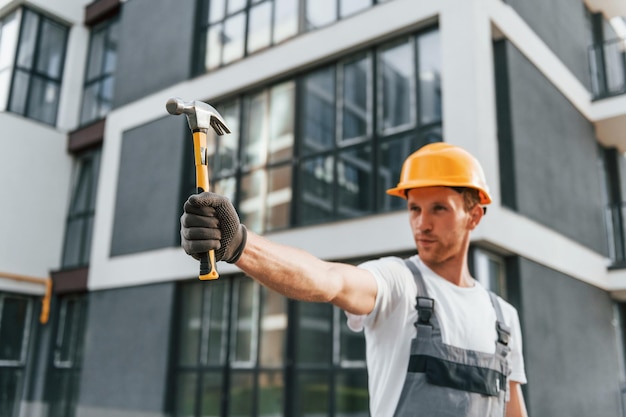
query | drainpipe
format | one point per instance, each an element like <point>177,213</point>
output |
<point>46,282</point>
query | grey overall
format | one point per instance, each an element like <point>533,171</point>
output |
<point>444,380</point>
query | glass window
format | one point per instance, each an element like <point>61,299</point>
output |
<point>430,77</point>
<point>490,271</point>
<point>232,29</point>
<point>82,211</point>
<point>9,29</point>
<point>397,86</point>
<point>356,103</point>
<point>38,67</point>
<point>326,367</point>
<point>320,13</point>
<point>350,7</point>
<point>64,378</point>
<point>285,19</point>
<point>260,27</point>
<point>99,83</point>
<point>349,146</point>
<point>15,321</point>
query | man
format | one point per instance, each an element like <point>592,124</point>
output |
<point>438,343</point>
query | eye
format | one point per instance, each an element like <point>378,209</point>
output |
<point>439,207</point>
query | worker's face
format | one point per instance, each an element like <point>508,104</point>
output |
<point>440,223</point>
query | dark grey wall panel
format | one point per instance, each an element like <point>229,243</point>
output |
<point>148,203</point>
<point>564,27</point>
<point>156,47</point>
<point>558,180</point>
<point>127,351</point>
<point>570,346</point>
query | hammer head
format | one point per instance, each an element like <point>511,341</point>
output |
<point>199,115</point>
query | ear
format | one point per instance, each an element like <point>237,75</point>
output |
<point>475,215</point>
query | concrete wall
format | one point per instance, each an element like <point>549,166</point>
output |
<point>569,345</point>
<point>148,203</point>
<point>564,27</point>
<point>553,156</point>
<point>157,47</point>
<point>126,352</point>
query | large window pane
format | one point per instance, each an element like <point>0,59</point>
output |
<point>233,38</point>
<point>273,329</point>
<point>356,100</point>
<point>9,26</point>
<point>213,52</point>
<point>251,206</point>
<point>52,45</point>
<point>392,153</point>
<point>217,8</point>
<point>315,334</point>
<point>349,7</point>
<point>190,325</point>
<point>355,184</point>
<point>242,394</point>
<point>279,196</point>
<point>271,398</point>
<point>352,397</point>
<point>397,86</point>
<point>255,140</point>
<point>186,390</point>
<point>43,100</point>
<point>216,322</point>
<point>28,39</point>
<point>14,315</point>
<point>19,90</point>
<point>260,26</point>
<point>319,111</point>
<point>212,394</point>
<point>281,134</point>
<point>430,77</point>
<point>10,387</point>
<point>312,394</point>
<point>316,190</point>
<point>245,324</point>
<point>320,13</point>
<point>285,19</point>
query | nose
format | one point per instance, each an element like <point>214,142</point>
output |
<point>422,223</point>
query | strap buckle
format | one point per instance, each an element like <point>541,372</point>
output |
<point>425,307</point>
<point>504,333</point>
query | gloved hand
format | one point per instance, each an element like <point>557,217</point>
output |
<point>210,222</point>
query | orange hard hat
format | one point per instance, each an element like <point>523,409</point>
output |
<point>441,164</point>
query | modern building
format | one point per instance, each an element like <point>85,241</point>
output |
<point>102,313</point>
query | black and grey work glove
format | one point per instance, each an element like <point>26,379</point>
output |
<point>210,222</point>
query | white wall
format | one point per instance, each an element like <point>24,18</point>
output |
<point>35,174</point>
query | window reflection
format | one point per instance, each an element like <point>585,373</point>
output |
<point>320,13</point>
<point>397,84</point>
<point>430,77</point>
<point>356,100</point>
<point>259,27</point>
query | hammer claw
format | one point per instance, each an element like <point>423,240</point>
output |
<point>219,126</point>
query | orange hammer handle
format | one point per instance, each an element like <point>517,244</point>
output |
<point>208,271</point>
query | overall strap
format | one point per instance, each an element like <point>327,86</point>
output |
<point>424,304</point>
<point>504,331</point>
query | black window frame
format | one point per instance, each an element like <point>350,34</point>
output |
<point>33,73</point>
<point>393,146</point>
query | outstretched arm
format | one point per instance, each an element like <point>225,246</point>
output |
<point>210,222</point>
<point>300,275</point>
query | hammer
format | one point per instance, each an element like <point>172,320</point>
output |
<point>200,117</point>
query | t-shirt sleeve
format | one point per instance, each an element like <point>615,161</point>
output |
<point>518,373</point>
<point>390,275</point>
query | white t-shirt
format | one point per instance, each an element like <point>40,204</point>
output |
<point>466,316</point>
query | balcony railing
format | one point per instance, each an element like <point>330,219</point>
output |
<point>608,68</point>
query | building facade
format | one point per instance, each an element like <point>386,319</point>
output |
<point>102,313</point>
